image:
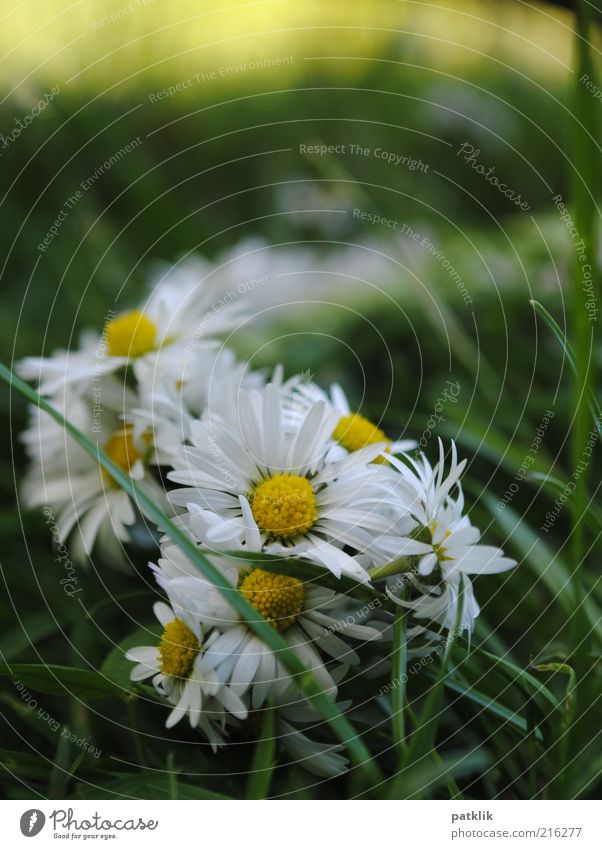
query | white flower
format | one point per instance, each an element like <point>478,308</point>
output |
<point>183,313</point>
<point>294,722</point>
<point>172,395</point>
<point>445,544</point>
<point>426,488</point>
<point>352,430</point>
<point>87,501</point>
<point>181,674</point>
<point>314,621</point>
<point>270,487</point>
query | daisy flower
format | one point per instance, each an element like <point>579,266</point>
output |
<point>180,674</point>
<point>183,313</point>
<point>444,543</point>
<point>352,430</point>
<point>314,621</point>
<point>272,489</point>
<point>87,501</point>
<point>172,395</point>
<point>294,722</point>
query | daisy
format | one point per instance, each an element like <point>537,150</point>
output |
<point>272,489</point>
<point>87,501</point>
<point>352,430</point>
<point>294,722</point>
<point>426,488</point>
<point>183,313</point>
<point>181,675</point>
<point>172,395</point>
<point>444,544</point>
<point>314,621</point>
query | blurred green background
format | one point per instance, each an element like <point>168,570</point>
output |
<point>220,161</point>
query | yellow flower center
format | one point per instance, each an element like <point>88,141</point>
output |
<point>131,335</point>
<point>279,598</point>
<point>439,548</point>
<point>354,432</point>
<point>121,450</point>
<point>284,506</point>
<point>177,649</point>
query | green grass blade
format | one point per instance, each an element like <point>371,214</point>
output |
<point>548,566</point>
<point>262,766</point>
<point>172,776</point>
<point>146,785</point>
<point>481,437</point>
<point>487,704</point>
<point>398,681</point>
<point>31,630</point>
<point>585,177</point>
<point>422,740</point>
<point>517,675</point>
<point>593,514</point>
<point>59,774</point>
<point>422,780</point>
<point>570,355</point>
<point>57,680</point>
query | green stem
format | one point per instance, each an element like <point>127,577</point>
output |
<point>132,705</point>
<point>452,785</point>
<point>262,766</point>
<point>394,567</point>
<point>584,180</point>
<point>399,680</point>
<point>172,776</point>
<point>59,775</point>
<point>422,741</point>
<point>584,211</point>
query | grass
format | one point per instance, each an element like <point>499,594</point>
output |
<point>489,699</point>
<point>503,719</point>
<point>586,169</point>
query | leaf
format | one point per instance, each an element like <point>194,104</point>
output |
<point>59,775</point>
<point>422,740</point>
<point>570,355</point>
<point>420,780</point>
<point>569,699</point>
<point>29,717</point>
<point>487,703</point>
<point>147,785</point>
<point>589,779</point>
<point>479,437</point>
<point>29,632</point>
<point>172,776</point>
<point>399,662</point>
<point>592,515</point>
<point>37,767</point>
<point>63,681</point>
<point>517,675</point>
<point>117,668</point>
<point>546,564</point>
<point>24,765</point>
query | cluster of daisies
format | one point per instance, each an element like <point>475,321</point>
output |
<point>250,463</point>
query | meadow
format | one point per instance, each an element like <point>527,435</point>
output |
<point>417,183</point>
